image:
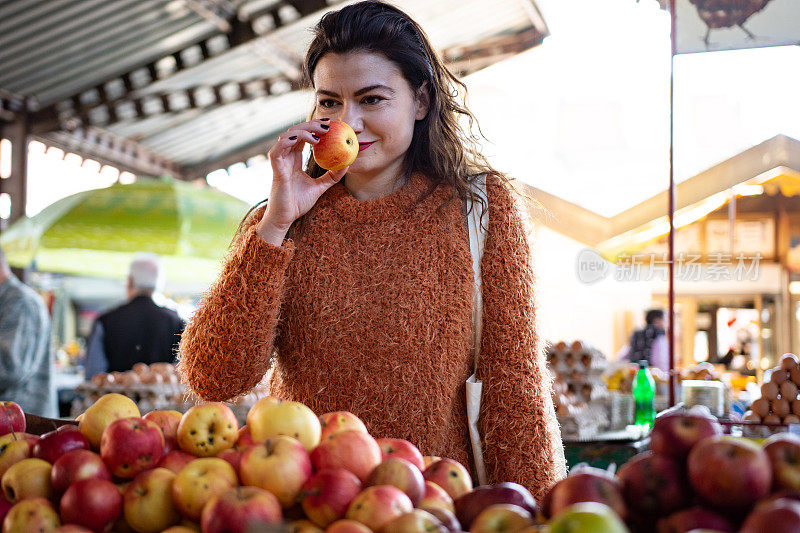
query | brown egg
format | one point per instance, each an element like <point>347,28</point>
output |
<point>140,368</point>
<point>789,361</point>
<point>796,407</point>
<point>791,419</point>
<point>788,390</point>
<point>750,416</point>
<point>769,391</point>
<point>98,380</point>
<point>779,376</point>
<point>760,407</point>
<point>772,419</point>
<point>781,407</point>
<point>794,375</point>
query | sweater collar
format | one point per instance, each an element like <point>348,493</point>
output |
<point>393,205</point>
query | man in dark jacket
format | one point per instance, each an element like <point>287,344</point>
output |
<point>138,331</point>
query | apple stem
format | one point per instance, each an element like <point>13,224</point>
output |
<point>10,425</point>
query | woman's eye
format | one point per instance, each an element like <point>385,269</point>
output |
<point>327,103</point>
<point>372,99</point>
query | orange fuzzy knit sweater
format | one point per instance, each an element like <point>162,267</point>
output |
<point>370,312</point>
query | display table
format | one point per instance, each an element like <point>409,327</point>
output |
<point>606,448</point>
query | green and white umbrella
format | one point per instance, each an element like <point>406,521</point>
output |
<point>96,233</point>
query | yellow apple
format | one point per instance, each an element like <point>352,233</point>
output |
<point>207,429</point>
<point>103,412</point>
<point>12,453</point>
<point>198,482</point>
<point>271,417</point>
<point>35,514</point>
<point>29,478</point>
<point>304,526</point>
<point>147,502</point>
<point>280,465</point>
<point>337,148</point>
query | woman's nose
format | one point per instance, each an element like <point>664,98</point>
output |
<point>351,114</point>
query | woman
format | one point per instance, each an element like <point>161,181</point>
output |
<point>367,307</point>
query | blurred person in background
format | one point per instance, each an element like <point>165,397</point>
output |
<point>140,331</point>
<point>26,351</point>
<point>649,343</point>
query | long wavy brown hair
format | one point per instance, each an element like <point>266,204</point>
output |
<point>441,147</point>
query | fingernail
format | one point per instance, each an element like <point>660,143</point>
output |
<point>324,119</point>
<point>324,126</point>
<point>293,137</point>
<point>314,135</point>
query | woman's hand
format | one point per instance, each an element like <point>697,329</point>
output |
<point>294,192</point>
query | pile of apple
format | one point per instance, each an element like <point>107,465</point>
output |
<point>693,478</point>
<point>199,471</point>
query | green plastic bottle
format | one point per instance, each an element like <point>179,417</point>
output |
<point>644,389</point>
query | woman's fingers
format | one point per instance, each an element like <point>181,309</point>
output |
<point>327,180</point>
<point>318,126</point>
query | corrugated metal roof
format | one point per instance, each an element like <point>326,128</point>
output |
<point>113,62</point>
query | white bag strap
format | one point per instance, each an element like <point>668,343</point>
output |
<point>477,242</point>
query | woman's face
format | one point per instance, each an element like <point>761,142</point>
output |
<point>369,92</point>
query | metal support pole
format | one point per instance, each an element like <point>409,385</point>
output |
<point>671,235</point>
<point>16,184</point>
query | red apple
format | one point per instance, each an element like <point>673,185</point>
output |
<point>586,484</point>
<point>347,526</point>
<point>168,422</point>
<point>339,421</point>
<point>436,497</point>
<point>447,518</point>
<point>72,528</point>
<point>327,494</point>
<point>352,450</point>
<point>501,518</point>
<point>675,434</point>
<point>12,419</point>
<point>5,505</point>
<point>401,448</point>
<point>147,502</point>
<point>377,506</point>
<point>304,526</point>
<point>280,465</point>
<point>470,505</point>
<point>654,485</point>
<point>131,445</point>
<point>694,518</point>
<point>233,456</point>
<point>399,473</point>
<point>176,460</point>
<point>240,510</point>
<point>93,503</point>
<point>207,429</point>
<point>35,514</point>
<point>451,475</point>
<point>415,521</point>
<point>245,438</point>
<point>56,443</point>
<point>730,473</point>
<point>77,465</point>
<point>778,516</point>
<point>102,413</point>
<point>783,450</point>
<point>337,148</point>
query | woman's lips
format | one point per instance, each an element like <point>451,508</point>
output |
<point>364,146</point>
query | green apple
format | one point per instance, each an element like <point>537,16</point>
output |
<point>587,517</point>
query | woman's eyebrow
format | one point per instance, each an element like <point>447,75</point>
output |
<point>358,92</point>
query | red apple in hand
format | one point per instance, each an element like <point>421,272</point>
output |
<point>337,148</point>
<point>12,419</point>
<point>131,445</point>
<point>401,448</point>
<point>339,421</point>
<point>377,506</point>
<point>399,473</point>
<point>783,451</point>
<point>327,494</point>
<point>451,475</point>
<point>730,473</point>
<point>675,434</point>
<point>56,443</point>
<point>93,503</point>
<point>241,510</point>
<point>351,449</point>
<point>77,465</point>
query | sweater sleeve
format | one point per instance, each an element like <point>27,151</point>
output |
<point>227,346</point>
<point>522,440</point>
